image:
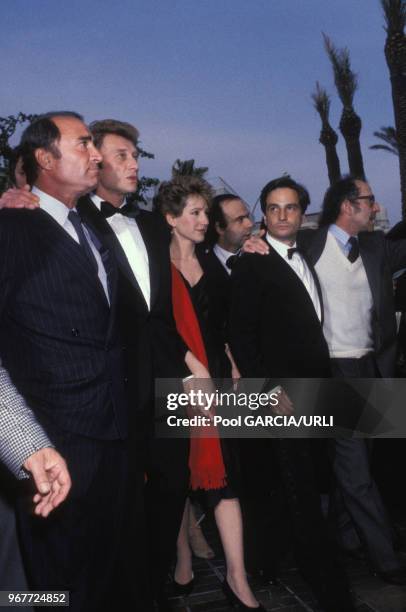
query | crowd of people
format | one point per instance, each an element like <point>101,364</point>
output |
<point>99,299</point>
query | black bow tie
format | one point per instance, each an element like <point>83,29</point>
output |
<point>128,210</point>
<point>292,251</point>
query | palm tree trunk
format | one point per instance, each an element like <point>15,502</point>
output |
<point>328,138</point>
<point>350,127</point>
<point>395,54</point>
<point>398,82</point>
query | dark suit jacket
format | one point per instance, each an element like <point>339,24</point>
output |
<point>381,259</point>
<point>58,337</point>
<point>152,346</point>
<point>274,329</point>
<point>218,286</point>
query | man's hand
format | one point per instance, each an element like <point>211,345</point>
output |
<point>19,198</point>
<point>255,244</point>
<point>51,478</point>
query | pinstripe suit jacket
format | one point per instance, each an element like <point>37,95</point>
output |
<point>58,337</point>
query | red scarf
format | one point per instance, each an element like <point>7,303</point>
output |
<point>206,463</point>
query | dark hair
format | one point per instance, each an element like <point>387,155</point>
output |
<point>100,129</point>
<point>13,158</point>
<point>172,195</point>
<point>344,189</point>
<point>285,182</point>
<point>42,133</point>
<point>216,215</point>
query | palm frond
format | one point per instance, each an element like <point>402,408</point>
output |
<point>321,101</point>
<point>395,15</point>
<point>345,79</point>
<point>389,136</point>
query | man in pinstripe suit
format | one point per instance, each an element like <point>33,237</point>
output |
<point>59,342</point>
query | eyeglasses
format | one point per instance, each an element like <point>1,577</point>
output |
<point>370,199</point>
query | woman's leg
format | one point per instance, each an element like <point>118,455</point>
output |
<point>183,569</point>
<point>229,523</point>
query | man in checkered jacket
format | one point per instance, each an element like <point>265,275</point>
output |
<point>26,450</point>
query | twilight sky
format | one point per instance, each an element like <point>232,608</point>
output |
<point>226,82</point>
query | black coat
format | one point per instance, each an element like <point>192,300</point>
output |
<point>274,329</point>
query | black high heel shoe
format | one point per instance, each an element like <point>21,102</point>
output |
<point>182,590</point>
<point>235,601</point>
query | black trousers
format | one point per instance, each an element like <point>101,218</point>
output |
<point>296,513</point>
<point>79,546</point>
<point>162,490</point>
<point>358,509</point>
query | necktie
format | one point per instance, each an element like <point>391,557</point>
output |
<point>231,261</point>
<point>83,241</point>
<point>292,251</point>
<point>128,210</point>
<point>354,250</point>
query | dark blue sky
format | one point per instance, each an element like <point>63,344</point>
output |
<point>227,82</point>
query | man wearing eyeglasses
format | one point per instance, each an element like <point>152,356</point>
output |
<point>355,267</point>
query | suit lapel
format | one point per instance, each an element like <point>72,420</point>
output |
<point>369,259</point>
<point>70,251</point>
<point>317,283</point>
<point>149,238</point>
<point>313,243</point>
<point>282,272</point>
<point>91,215</point>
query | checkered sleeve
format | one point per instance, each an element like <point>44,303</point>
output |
<point>20,434</point>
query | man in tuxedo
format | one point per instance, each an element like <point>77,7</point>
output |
<point>229,226</point>
<point>275,331</point>
<point>355,268</point>
<point>153,349</point>
<point>60,344</point>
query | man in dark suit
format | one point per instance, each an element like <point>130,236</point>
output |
<point>355,269</point>
<point>60,345</point>
<point>153,349</point>
<point>229,226</point>
<point>275,331</point>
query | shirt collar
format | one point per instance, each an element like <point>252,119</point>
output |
<point>97,200</point>
<point>339,234</point>
<point>55,208</point>
<point>222,255</point>
<point>280,247</point>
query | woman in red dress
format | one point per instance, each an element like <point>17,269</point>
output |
<point>184,202</point>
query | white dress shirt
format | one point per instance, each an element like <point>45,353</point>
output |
<point>59,212</point>
<point>129,236</point>
<point>300,267</point>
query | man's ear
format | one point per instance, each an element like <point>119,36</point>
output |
<point>346,208</point>
<point>44,158</point>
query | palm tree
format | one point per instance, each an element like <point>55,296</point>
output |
<point>188,168</point>
<point>328,137</point>
<point>350,123</point>
<point>395,53</point>
<point>389,137</point>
